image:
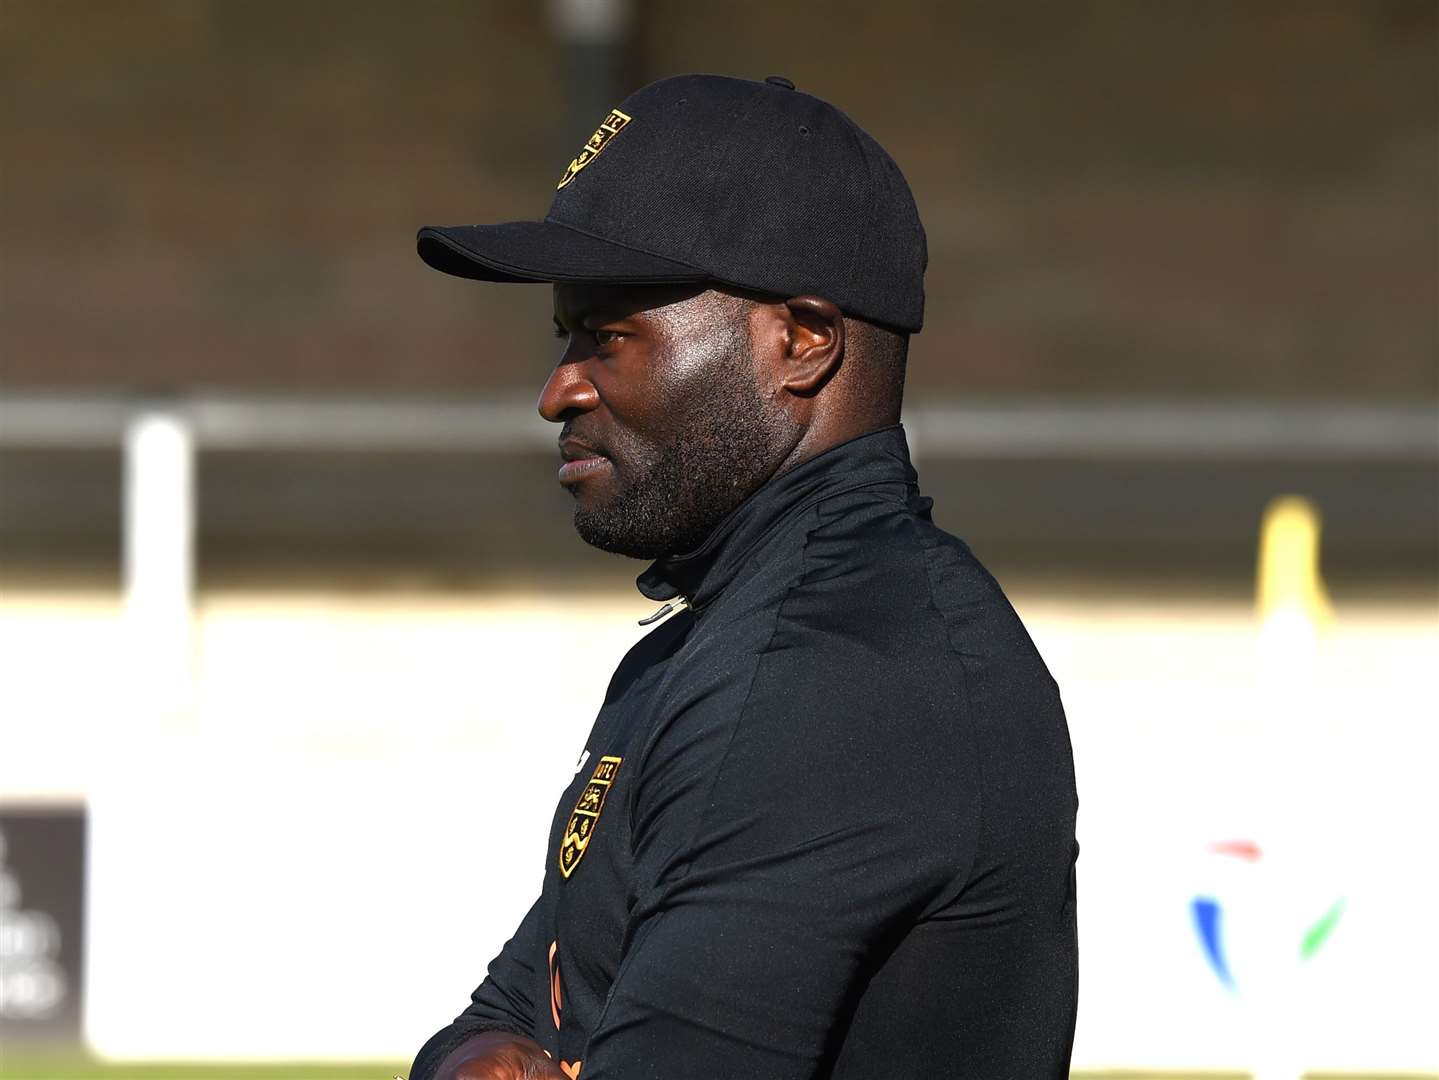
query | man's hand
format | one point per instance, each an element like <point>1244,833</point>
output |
<point>498,1055</point>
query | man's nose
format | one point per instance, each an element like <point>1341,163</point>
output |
<point>567,391</point>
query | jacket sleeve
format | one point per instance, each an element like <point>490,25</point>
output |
<point>778,852</point>
<point>505,1001</point>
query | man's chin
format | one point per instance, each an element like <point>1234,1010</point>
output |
<point>622,526</point>
<point>605,532</point>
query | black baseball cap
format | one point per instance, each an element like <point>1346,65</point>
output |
<point>711,179</point>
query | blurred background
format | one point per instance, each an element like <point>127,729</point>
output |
<point>297,645</point>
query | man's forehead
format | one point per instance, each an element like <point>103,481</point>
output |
<point>579,300</point>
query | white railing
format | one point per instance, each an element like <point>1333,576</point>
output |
<point>503,424</point>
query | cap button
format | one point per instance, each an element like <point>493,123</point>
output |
<point>780,81</point>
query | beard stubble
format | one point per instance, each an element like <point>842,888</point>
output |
<point>721,448</point>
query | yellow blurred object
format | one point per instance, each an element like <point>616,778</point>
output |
<point>1289,582</point>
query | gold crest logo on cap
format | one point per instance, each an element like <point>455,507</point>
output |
<point>580,829</point>
<point>611,126</point>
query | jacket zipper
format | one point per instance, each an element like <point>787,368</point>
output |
<point>677,604</point>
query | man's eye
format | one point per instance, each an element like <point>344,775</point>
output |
<point>602,337</point>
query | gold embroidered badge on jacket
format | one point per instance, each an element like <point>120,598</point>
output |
<point>580,829</point>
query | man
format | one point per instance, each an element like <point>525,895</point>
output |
<point>824,822</point>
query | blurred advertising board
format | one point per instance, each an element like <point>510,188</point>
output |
<point>1253,878</point>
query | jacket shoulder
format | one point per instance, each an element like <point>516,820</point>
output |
<point>877,566</point>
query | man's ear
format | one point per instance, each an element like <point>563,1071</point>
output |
<point>814,344</point>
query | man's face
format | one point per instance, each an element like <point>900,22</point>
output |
<point>665,427</point>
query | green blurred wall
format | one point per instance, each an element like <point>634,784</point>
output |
<point>1123,198</point>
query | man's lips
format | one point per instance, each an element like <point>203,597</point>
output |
<point>572,472</point>
<point>580,461</point>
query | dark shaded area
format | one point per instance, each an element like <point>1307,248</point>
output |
<point>456,520</point>
<point>42,952</point>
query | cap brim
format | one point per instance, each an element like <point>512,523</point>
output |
<point>543,251</point>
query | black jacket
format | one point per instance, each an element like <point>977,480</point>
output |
<point>826,822</point>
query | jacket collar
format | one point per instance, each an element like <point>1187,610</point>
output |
<point>876,458</point>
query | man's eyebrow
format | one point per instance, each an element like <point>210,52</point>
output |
<point>574,314</point>
<point>593,315</point>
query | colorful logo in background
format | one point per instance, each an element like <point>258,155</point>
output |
<point>1208,915</point>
